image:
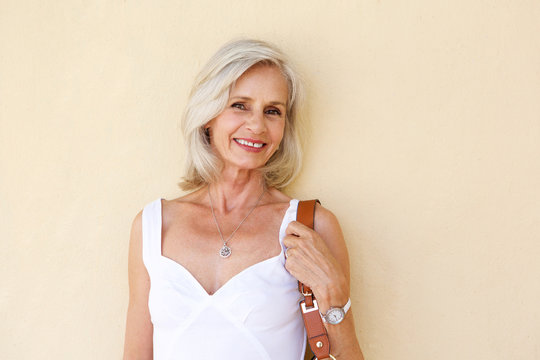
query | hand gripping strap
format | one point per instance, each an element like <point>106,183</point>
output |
<point>316,332</point>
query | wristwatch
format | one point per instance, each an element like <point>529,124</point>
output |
<point>335,315</point>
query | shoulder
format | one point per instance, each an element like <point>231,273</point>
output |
<point>136,227</point>
<point>274,204</point>
<point>195,197</point>
<point>325,220</point>
<point>327,226</point>
<point>183,204</point>
<point>278,195</point>
<point>135,258</point>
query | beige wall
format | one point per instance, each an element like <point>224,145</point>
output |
<point>425,128</point>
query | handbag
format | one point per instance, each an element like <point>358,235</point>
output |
<point>316,332</point>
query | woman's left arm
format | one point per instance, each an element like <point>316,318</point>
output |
<point>320,260</point>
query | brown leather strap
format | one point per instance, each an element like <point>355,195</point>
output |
<point>306,212</point>
<point>316,332</point>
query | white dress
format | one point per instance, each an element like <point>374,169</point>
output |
<point>254,315</point>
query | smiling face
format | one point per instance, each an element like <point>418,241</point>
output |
<point>250,128</point>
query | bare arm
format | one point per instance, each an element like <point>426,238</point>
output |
<point>320,260</point>
<point>139,330</point>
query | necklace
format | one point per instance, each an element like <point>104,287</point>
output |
<point>226,251</point>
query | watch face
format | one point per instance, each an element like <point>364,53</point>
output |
<point>335,315</point>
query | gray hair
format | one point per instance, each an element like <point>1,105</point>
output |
<point>208,99</point>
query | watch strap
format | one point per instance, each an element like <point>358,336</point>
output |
<point>347,306</point>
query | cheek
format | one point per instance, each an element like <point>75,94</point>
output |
<point>277,132</point>
<point>224,126</point>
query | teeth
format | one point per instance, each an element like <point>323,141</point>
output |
<point>249,143</point>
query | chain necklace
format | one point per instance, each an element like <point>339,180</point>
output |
<point>226,251</point>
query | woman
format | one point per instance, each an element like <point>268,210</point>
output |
<point>213,274</point>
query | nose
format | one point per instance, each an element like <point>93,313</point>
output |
<point>255,122</point>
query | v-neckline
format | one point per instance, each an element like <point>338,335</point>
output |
<point>194,280</point>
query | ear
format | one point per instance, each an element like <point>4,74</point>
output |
<point>207,133</point>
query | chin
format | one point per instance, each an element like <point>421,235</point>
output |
<point>248,165</point>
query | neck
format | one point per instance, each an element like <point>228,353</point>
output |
<point>236,190</point>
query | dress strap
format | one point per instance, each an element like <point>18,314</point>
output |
<point>151,233</point>
<point>290,215</point>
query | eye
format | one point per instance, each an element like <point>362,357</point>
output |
<point>273,111</point>
<point>238,106</point>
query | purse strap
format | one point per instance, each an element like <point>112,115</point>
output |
<point>316,332</point>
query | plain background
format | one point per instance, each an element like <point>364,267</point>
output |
<point>424,141</point>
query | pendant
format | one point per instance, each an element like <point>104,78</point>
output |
<point>225,251</point>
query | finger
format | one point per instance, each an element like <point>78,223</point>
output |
<point>307,240</point>
<point>297,228</point>
<point>288,252</point>
<point>305,237</point>
<point>301,269</point>
<point>291,240</point>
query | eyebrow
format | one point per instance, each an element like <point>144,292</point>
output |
<point>246,98</point>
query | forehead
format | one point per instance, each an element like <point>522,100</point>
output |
<point>264,81</point>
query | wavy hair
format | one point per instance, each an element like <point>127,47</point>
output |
<point>208,99</point>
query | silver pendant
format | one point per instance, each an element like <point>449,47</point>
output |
<point>225,251</point>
